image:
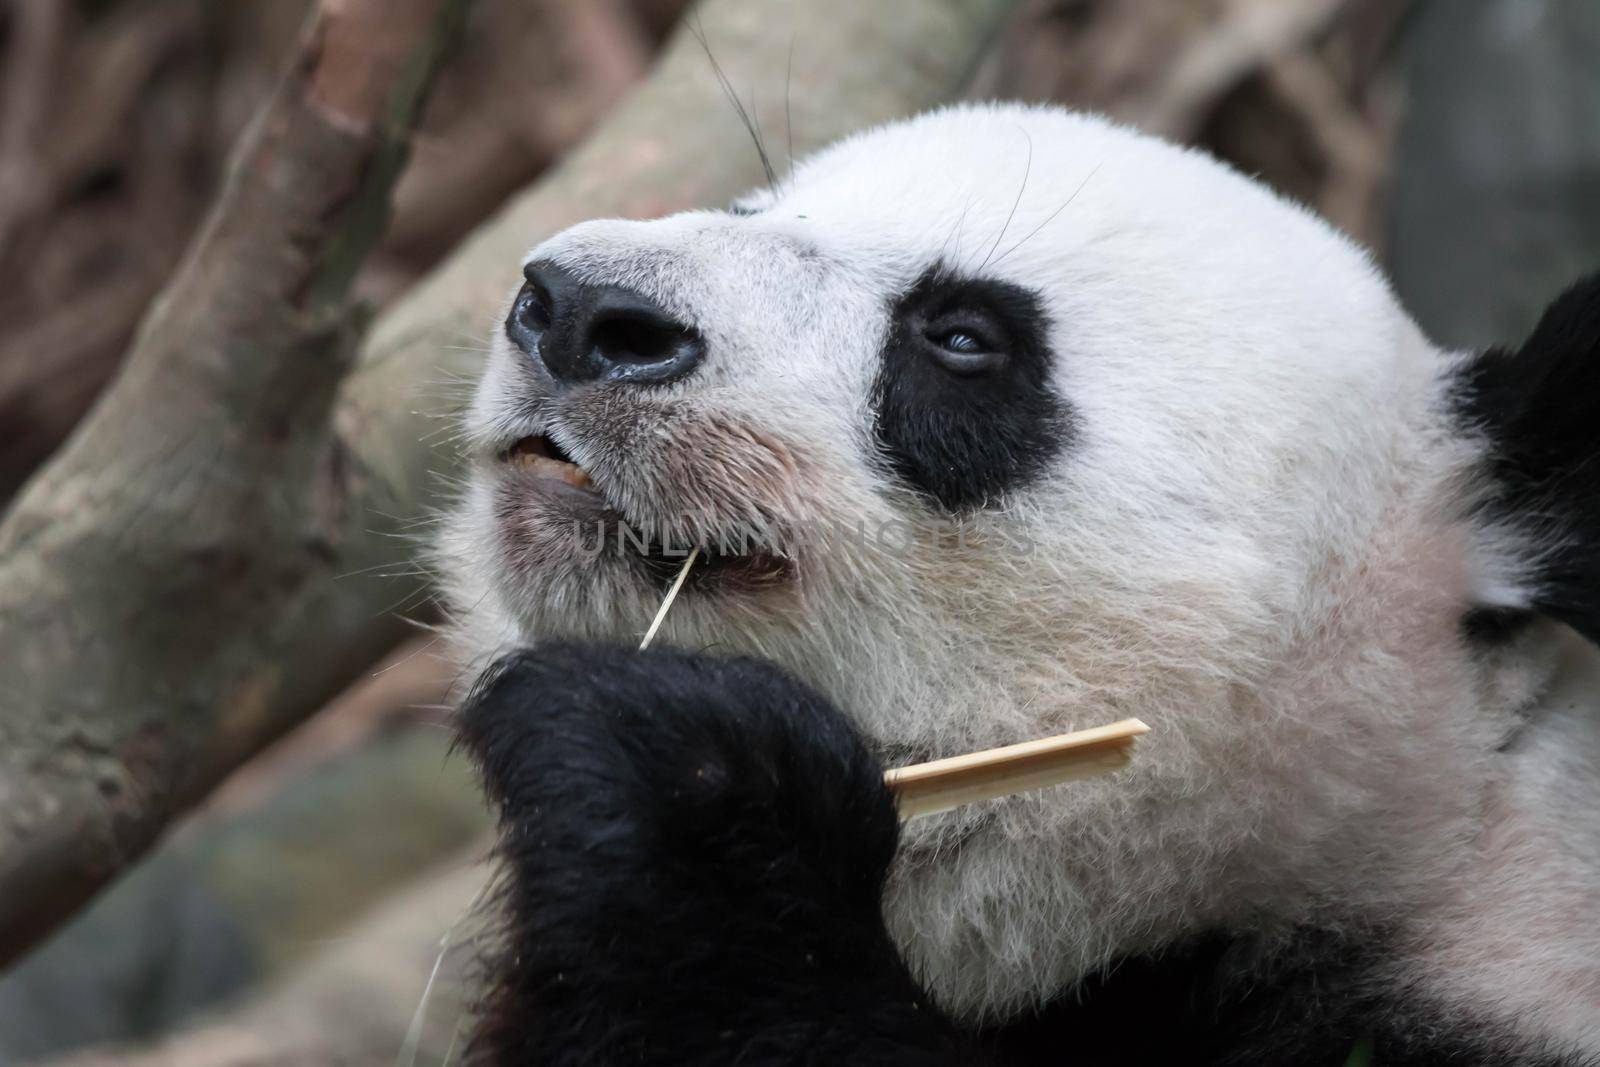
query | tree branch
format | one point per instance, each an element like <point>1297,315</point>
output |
<point>151,572</point>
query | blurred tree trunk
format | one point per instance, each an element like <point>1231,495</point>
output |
<point>184,581</point>
<point>354,1004</point>
<point>204,492</point>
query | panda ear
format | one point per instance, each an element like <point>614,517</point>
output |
<point>1538,409</point>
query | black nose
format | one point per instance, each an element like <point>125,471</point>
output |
<point>586,332</point>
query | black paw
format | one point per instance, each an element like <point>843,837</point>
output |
<point>704,774</point>
<point>697,848</point>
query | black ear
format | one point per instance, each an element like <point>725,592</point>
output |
<point>1539,409</point>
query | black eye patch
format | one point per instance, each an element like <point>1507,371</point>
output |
<point>962,404</point>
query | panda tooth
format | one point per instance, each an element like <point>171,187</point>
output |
<point>555,469</point>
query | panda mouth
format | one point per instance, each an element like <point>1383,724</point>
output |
<point>543,458</point>
<point>714,569</point>
<point>728,562</point>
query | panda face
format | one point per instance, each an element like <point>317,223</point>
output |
<point>1002,422</point>
<point>994,383</point>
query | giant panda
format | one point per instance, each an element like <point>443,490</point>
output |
<point>1111,430</point>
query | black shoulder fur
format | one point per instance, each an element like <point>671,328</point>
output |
<point>1539,408</point>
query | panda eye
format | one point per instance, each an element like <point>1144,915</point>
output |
<point>964,349</point>
<point>963,404</point>
<point>957,341</point>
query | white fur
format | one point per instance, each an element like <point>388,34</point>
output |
<point>1253,543</point>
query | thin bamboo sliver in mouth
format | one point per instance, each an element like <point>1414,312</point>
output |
<point>672,594</point>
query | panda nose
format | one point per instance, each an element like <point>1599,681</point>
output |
<point>595,332</point>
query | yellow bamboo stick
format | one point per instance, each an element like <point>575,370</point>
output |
<point>942,784</point>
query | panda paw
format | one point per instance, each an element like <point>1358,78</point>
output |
<point>696,849</point>
<point>712,776</point>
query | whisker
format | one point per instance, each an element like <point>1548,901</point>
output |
<point>956,232</point>
<point>1027,169</point>
<point>1031,233</point>
<point>698,31</point>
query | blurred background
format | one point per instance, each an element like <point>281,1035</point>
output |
<point>1459,140</point>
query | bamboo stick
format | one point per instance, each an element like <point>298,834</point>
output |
<point>928,788</point>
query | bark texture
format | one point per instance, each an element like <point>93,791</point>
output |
<point>194,573</point>
<point>155,576</point>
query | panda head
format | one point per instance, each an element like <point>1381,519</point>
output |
<point>1003,395</point>
<point>1004,421</point>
